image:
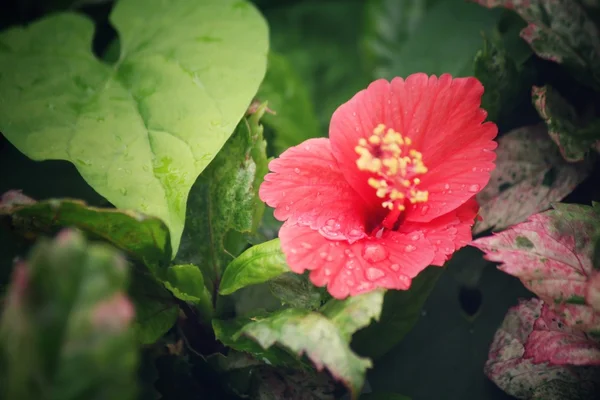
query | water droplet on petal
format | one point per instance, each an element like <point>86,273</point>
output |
<point>297,170</point>
<point>446,186</point>
<point>474,169</point>
<point>415,237</point>
<point>424,209</point>
<point>373,274</point>
<point>350,282</point>
<point>374,252</point>
<point>350,264</point>
<point>293,251</point>
<point>473,188</point>
<point>327,271</point>
<point>306,245</point>
<point>329,258</point>
<point>395,267</point>
<point>323,254</point>
<point>409,248</point>
<point>331,229</point>
<point>287,208</point>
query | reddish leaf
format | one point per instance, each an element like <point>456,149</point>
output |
<point>554,342</point>
<point>559,31</point>
<point>520,377</point>
<point>573,135</point>
<point>530,174</point>
<point>551,252</point>
<point>592,294</point>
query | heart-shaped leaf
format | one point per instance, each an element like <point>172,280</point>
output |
<point>139,131</point>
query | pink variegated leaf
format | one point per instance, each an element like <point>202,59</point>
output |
<point>550,253</point>
<point>579,316</point>
<point>530,174</point>
<point>592,294</point>
<point>559,31</point>
<point>523,379</point>
<point>554,342</point>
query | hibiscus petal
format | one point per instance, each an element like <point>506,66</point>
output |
<point>443,119</point>
<point>306,187</point>
<point>447,233</point>
<point>353,268</point>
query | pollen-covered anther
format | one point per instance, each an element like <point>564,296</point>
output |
<point>388,155</point>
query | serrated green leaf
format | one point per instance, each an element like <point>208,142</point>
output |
<point>187,283</point>
<point>256,265</point>
<point>573,134</point>
<point>434,37</point>
<point>559,31</point>
<point>401,310</point>
<point>142,237</point>
<point>287,94</point>
<point>224,203</point>
<point>140,131</point>
<point>65,325</point>
<point>312,334</point>
<point>226,331</point>
<point>155,308</point>
<point>355,312</point>
<point>296,291</point>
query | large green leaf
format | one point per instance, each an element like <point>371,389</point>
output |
<point>142,237</point>
<point>65,331</point>
<point>312,334</point>
<point>320,39</point>
<point>434,37</point>
<point>401,310</point>
<point>139,131</point>
<point>297,291</point>
<point>295,119</point>
<point>258,264</point>
<point>224,202</point>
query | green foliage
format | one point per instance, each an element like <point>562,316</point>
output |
<point>156,310</point>
<point>402,36</point>
<point>295,119</point>
<point>187,283</point>
<point>139,131</point>
<point>224,203</point>
<point>401,310</point>
<point>142,237</point>
<point>258,264</point>
<point>64,330</point>
<point>383,396</point>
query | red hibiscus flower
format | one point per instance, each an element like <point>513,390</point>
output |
<point>392,189</point>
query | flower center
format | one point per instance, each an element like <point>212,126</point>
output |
<point>389,155</point>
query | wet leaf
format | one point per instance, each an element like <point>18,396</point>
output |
<point>287,95</point>
<point>276,384</point>
<point>258,264</point>
<point>554,342</point>
<point>312,334</point>
<point>530,174</point>
<point>520,377</point>
<point>139,131</point>
<point>142,237</point>
<point>65,329</point>
<point>559,31</point>
<point>223,203</point>
<point>574,136</point>
<point>355,312</point>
